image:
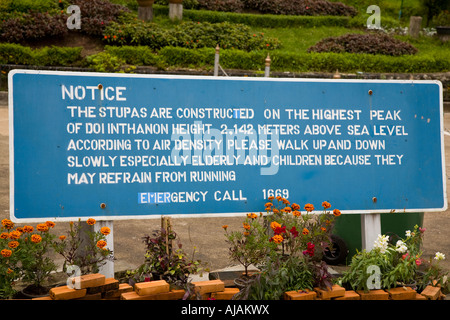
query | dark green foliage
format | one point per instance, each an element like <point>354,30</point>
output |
<point>291,7</point>
<point>371,43</point>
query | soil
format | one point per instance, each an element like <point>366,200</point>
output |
<point>90,44</point>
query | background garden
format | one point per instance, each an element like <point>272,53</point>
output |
<point>299,36</point>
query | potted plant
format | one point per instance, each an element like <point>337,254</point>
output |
<point>36,265</point>
<point>9,260</point>
<point>166,261</point>
<point>392,262</point>
<point>287,245</point>
<point>83,248</point>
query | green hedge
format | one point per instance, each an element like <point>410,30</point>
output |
<point>320,62</point>
<point>257,20</point>
<point>229,59</point>
<point>49,56</point>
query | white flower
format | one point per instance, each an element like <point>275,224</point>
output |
<point>400,247</point>
<point>408,233</point>
<point>381,243</point>
<point>439,256</point>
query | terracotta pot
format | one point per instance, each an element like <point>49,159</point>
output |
<point>145,3</point>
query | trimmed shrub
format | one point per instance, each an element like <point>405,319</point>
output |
<point>371,43</point>
<point>11,53</point>
<point>259,20</point>
<point>285,7</point>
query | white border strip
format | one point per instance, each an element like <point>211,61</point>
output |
<point>207,215</point>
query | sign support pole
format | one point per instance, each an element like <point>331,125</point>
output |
<point>108,268</point>
<point>370,229</point>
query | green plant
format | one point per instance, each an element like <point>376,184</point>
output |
<point>434,273</point>
<point>10,270</point>
<point>83,247</point>
<point>250,246</point>
<point>277,277</point>
<point>188,34</point>
<point>165,259</point>
<point>287,247</point>
<point>370,43</point>
<point>35,263</point>
<point>105,62</point>
<point>388,263</point>
<point>443,19</point>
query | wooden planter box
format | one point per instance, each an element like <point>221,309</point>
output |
<point>300,295</point>
<point>376,294</point>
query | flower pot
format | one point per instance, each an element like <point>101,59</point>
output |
<point>145,3</point>
<point>32,291</point>
<point>443,32</point>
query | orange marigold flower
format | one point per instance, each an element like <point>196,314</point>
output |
<point>6,253</point>
<point>8,224</point>
<point>90,221</point>
<point>305,231</point>
<point>268,204</point>
<point>43,227</point>
<point>271,198</point>
<point>286,201</point>
<point>276,211</point>
<point>323,229</point>
<point>13,244</point>
<point>337,212</point>
<point>295,206</point>
<point>50,224</point>
<point>296,213</point>
<point>20,229</point>
<point>246,233</point>
<point>28,229</point>
<point>287,209</point>
<point>225,226</point>
<point>326,205</point>
<point>62,238</point>
<point>279,198</point>
<point>274,225</point>
<point>4,235</point>
<point>309,207</point>
<point>14,235</point>
<point>36,238</point>
<point>277,238</point>
<point>252,215</point>
<point>9,271</point>
<point>101,244</point>
<point>246,226</point>
<point>105,231</point>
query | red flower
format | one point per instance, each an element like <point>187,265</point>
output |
<point>294,232</point>
<point>310,249</point>
<point>279,230</point>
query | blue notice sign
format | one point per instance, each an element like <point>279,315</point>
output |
<point>115,146</point>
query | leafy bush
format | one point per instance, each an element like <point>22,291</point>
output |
<point>32,26</point>
<point>371,43</point>
<point>189,35</point>
<point>97,14</point>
